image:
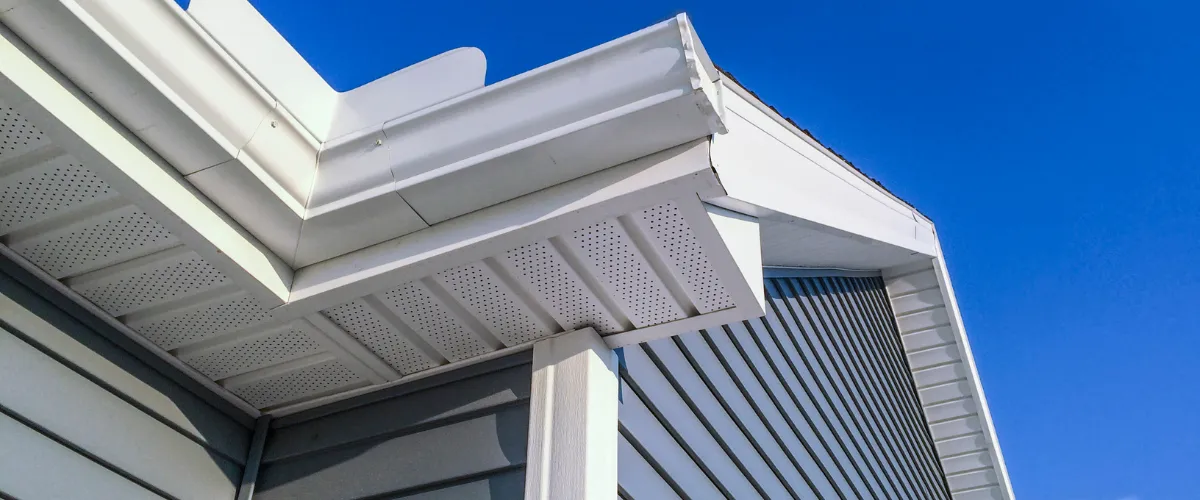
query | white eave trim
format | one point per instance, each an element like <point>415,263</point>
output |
<point>215,110</point>
<point>772,169</point>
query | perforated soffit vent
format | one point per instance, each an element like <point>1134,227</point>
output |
<point>641,270</point>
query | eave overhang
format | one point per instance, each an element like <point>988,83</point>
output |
<point>569,197</point>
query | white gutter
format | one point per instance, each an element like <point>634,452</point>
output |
<point>315,174</point>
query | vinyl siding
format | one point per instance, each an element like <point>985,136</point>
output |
<point>459,435</point>
<point>85,413</point>
<point>813,400</point>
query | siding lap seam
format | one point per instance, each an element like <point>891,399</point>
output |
<point>83,452</point>
<point>239,461</point>
<point>877,298</point>
<point>691,453</point>
<point>733,415</point>
<point>886,379</point>
<point>808,420</point>
<point>737,461</point>
<point>825,388</point>
<point>758,411</point>
<point>857,379</point>
<point>649,458</point>
<point>846,397</point>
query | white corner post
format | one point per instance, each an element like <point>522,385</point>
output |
<point>573,419</point>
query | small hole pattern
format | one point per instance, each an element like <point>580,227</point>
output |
<point>558,288</point>
<point>626,274</point>
<point>31,194</point>
<point>420,311</point>
<point>168,280</point>
<point>284,345</point>
<point>667,227</point>
<point>117,237</point>
<point>291,386</point>
<point>203,321</point>
<point>484,295</point>
<point>357,319</point>
<point>17,135</point>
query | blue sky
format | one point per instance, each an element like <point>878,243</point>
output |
<point>1053,144</point>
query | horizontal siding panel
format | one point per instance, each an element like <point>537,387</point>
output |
<point>955,428</point>
<point>932,357</point>
<point>815,399</point>
<point>505,485</point>
<point>950,409</point>
<point>668,452</point>
<point>474,446</point>
<point>928,338</point>
<point>991,493</point>
<point>394,415</point>
<point>744,407</point>
<point>457,435</point>
<point>926,299</point>
<point>945,392</point>
<point>35,466</point>
<point>728,424</point>
<point>808,392</point>
<point>972,480</point>
<point>922,320</point>
<point>939,375</point>
<point>910,283</point>
<point>676,412</point>
<point>87,415</point>
<point>637,476</point>
<point>970,461</point>
<point>962,444</point>
<point>75,343</point>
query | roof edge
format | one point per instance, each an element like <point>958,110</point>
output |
<point>749,95</point>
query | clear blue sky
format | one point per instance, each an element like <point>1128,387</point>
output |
<point>1054,144</point>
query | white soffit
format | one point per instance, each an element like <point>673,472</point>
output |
<point>948,384</point>
<point>774,171</point>
<point>635,264</point>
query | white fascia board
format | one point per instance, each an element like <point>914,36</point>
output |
<point>765,163</point>
<point>40,93</point>
<point>683,172</point>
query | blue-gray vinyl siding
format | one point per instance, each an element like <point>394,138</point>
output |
<point>458,435</point>
<point>87,413</point>
<point>813,400</point>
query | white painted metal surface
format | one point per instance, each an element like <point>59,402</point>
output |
<point>314,174</point>
<point>948,384</point>
<point>768,164</point>
<point>572,419</point>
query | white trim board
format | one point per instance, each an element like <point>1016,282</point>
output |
<point>948,384</point>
